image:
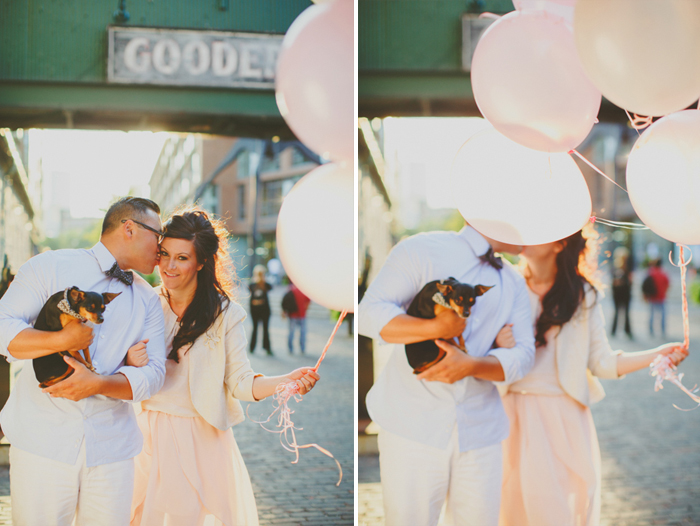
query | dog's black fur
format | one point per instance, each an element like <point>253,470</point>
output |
<point>51,369</point>
<point>459,296</point>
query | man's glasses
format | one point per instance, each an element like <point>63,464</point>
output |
<point>158,233</point>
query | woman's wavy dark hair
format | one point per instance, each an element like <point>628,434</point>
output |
<point>216,278</point>
<point>576,266</point>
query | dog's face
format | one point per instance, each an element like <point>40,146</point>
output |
<point>460,296</point>
<point>90,305</point>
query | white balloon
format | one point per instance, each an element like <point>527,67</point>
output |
<point>643,55</point>
<point>663,177</point>
<point>516,195</point>
<point>316,236</point>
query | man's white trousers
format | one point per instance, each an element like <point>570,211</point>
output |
<point>418,479</point>
<point>46,492</point>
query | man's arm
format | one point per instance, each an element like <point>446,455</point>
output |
<point>32,343</point>
<point>128,383</point>
<point>457,365</point>
<point>381,315</point>
<point>409,329</point>
<point>19,307</point>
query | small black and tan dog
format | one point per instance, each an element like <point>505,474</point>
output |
<point>71,305</point>
<point>435,297</point>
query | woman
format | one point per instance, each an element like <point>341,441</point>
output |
<point>551,458</point>
<point>621,288</point>
<point>260,307</point>
<point>190,468</point>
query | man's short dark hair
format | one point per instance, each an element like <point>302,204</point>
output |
<point>127,208</point>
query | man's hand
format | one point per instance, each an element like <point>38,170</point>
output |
<point>137,355</point>
<point>76,336</point>
<point>448,325</point>
<point>81,384</point>
<point>452,368</point>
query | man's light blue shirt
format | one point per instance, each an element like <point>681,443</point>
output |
<point>428,411</point>
<point>55,427</point>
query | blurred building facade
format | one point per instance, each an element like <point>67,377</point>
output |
<point>20,220</point>
<point>242,181</point>
<point>20,199</point>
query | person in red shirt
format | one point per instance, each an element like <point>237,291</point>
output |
<point>658,300</point>
<point>297,318</point>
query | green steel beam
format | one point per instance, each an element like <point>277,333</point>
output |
<point>110,97</point>
<point>223,112</point>
<point>66,40</point>
<point>402,85</point>
<point>53,67</point>
<point>415,35</point>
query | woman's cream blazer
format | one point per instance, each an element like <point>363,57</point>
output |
<point>583,352</point>
<point>219,370</point>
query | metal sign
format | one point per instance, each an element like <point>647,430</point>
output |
<point>180,57</point>
<point>472,29</point>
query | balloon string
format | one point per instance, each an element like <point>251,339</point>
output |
<point>286,391</point>
<point>683,266</point>
<point>330,340</point>
<point>596,168</point>
<point>639,122</point>
<point>618,224</point>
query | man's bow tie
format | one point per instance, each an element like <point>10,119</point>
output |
<point>125,276</point>
<point>492,259</point>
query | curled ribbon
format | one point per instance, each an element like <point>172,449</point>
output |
<point>287,391</point>
<point>662,368</point>
<point>639,122</point>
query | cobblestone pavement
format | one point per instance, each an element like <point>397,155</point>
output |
<point>650,450</point>
<point>304,493</point>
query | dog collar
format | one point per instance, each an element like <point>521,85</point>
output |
<point>64,307</point>
<point>440,300</point>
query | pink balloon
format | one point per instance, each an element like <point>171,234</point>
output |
<point>562,8</point>
<point>528,82</point>
<point>315,79</point>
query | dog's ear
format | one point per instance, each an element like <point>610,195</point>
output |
<point>480,289</point>
<point>444,289</point>
<point>76,295</point>
<point>109,296</point>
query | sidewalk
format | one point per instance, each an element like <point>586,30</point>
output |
<point>294,494</point>
<point>650,450</point>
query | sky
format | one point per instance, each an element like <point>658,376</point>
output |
<point>100,164</point>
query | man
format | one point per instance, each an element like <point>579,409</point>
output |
<point>297,318</point>
<point>72,444</point>
<point>657,300</point>
<point>441,430</point>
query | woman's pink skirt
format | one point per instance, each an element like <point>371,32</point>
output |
<point>551,463</point>
<point>190,474</point>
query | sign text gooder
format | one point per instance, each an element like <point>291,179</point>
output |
<point>192,58</point>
